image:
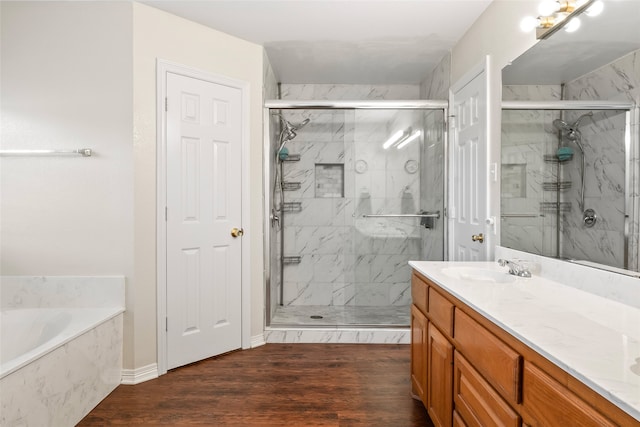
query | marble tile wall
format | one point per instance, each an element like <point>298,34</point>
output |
<point>527,136</point>
<point>270,91</point>
<point>347,259</point>
<point>603,140</point>
<point>435,86</point>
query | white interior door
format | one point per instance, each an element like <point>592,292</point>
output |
<point>204,132</point>
<point>468,171</point>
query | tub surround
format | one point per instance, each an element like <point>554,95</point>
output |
<point>592,336</point>
<point>60,385</point>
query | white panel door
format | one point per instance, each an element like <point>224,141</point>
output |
<point>468,203</point>
<point>203,205</point>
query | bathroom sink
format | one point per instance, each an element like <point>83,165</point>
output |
<point>479,274</point>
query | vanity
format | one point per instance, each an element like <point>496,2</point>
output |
<point>489,348</point>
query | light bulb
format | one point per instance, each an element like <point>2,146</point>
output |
<point>548,7</point>
<point>528,24</point>
<point>595,9</point>
<point>572,25</point>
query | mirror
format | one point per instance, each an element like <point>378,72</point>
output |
<point>566,187</point>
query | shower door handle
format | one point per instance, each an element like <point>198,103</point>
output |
<point>237,232</point>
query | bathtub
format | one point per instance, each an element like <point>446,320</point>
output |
<point>30,333</point>
<point>60,348</point>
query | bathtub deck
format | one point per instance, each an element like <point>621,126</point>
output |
<point>275,385</point>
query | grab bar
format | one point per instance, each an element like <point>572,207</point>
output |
<point>422,215</point>
<point>427,219</point>
<point>84,152</point>
<point>519,215</point>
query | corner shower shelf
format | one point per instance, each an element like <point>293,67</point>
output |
<point>553,158</point>
<point>556,186</point>
<point>553,207</point>
<point>291,186</point>
<point>291,259</point>
<point>292,158</point>
<point>292,207</point>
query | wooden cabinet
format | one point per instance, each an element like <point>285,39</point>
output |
<point>419,354</point>
<point>439,378</point>
<point>471,373</point>
<point>495,360</point>
<point>549,403</point>
<point>476,401</point>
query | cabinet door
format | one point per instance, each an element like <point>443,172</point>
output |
<point>418,354</point>
<point>476,401</point>
<point>439,378</point>
<point>549,403</point>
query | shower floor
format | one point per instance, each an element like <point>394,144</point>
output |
<point>322,315</point>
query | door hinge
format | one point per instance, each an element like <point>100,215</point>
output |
<point>166,104</point>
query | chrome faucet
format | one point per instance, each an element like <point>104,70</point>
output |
<point>515,268</point>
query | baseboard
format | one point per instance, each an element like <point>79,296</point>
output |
<point>139,375</point>
<point>258,340</point>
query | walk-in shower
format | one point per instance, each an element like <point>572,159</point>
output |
<point>569,179</point>
<point>355,191</point>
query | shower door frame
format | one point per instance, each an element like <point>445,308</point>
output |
<point>291,104</point>
<point>631,148</point>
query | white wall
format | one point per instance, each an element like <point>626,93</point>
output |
<point>157,34</point>
<point>64,215</point>
<point>83,74</point>
<point>497,34</point>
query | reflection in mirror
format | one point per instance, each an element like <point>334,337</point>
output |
<point>567,188</point>
<point>564,191</point>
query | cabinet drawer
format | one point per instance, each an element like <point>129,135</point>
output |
<point>457,420</point>
<point>475,400</point>
<point>419,292</point>
<point>550,403</point>
<point>441,312</point>
<point>497,362</point>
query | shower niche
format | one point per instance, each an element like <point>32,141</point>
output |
<point>330,263</point>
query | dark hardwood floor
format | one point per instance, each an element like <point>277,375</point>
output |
<point>319,385</point>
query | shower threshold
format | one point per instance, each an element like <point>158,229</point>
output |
<point>342,316</point>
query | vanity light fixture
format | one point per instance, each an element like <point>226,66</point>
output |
<point>395,138</point>
<point>557,14</point>
<point>410,138</point>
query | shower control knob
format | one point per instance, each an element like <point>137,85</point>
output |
<point>237,232</point>
<point>589,218</point>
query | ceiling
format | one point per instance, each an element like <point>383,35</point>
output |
<point>337,41</point>
<point>563,57</point>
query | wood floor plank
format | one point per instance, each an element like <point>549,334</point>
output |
<point>301,385</point>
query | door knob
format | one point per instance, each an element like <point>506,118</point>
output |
<point>237,232</point>
<point>477,238</point>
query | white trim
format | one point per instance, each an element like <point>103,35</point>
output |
<point>162,68</point>
<point>258,340</point>
<point>139,375</point>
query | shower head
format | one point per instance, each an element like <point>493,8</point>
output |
<point>289,131</point>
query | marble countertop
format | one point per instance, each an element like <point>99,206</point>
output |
<point>595,339</point>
